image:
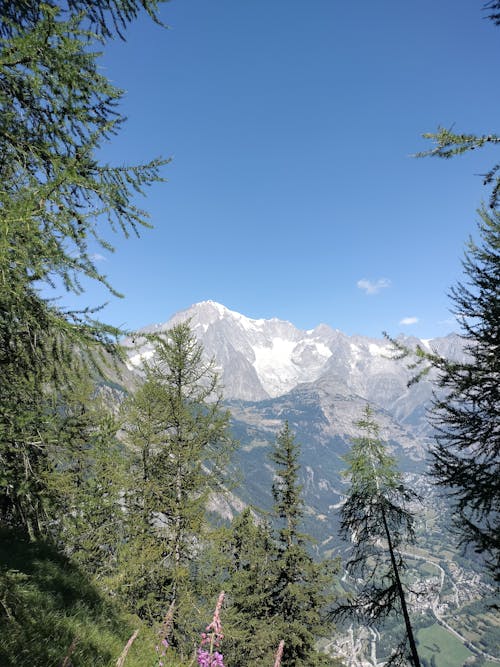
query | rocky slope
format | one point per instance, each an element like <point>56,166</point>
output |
<point>265,359</point>
<point>319,380</point>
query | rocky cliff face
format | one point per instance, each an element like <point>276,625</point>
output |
<point>266,359</point>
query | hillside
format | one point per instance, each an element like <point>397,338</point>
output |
<point>320,381</point>
<point>49,611</point>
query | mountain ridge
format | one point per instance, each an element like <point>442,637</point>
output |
<point>320,381</point>
<point>265,358</point>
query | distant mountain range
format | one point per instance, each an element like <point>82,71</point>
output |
<point>262,360</point>
<point>269,366</point>
<point>320,381</point>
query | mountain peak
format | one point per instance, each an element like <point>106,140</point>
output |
<point>262,358</point>
<point>214,305</point>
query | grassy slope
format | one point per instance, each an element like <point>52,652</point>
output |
<point>46,603</point>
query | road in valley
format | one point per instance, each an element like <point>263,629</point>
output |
<point>435,608</point>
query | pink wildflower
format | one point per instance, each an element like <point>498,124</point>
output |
<point>210,640</point>
<point>206,659</point>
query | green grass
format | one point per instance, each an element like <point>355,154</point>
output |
<point>46,603</point>
<point>448,651</point>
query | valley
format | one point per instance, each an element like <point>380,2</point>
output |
<point>319,381</point>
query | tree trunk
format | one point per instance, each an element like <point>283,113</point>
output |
<point>409,629</point>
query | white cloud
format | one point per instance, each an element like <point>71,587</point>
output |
<point>408,320</point>
<point>97,257</point>
<point>371,287</point>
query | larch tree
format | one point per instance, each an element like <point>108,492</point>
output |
<point>376,521</point>
<point>144,580</point>
<point>450,143</point>
<point>57,199</point>
<point>466,456</point>
<point>180,433</point>
<point>87,476</point>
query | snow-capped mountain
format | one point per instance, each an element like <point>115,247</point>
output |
<point>262,359</point>
<point>257,358</point>
<point>319,380</point>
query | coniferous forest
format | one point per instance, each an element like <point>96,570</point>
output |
<point>110,550</point>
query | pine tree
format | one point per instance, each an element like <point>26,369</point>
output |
<point>57,110</point>
<point>242,561</point>
<point>180,433</point>
<point>466,456</point>
<point>376,520</point>
<point>87,477</point>
<point>303,587</point>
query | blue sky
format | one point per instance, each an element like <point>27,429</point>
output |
<point>292,190</point>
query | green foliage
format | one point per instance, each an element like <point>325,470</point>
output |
<point>449,144</point>
<point>376,497</point>
<point>87,477</point>
<point>274,589</point>
<point>57,109</point>
<point>106,17</point>
<point>55,198</point>
<point>46,604</point>
<point>303,587</point>
<point>31,359</point>
<point>179,436</point>
<point>466,456</point>
<point>376,520</point>
<point>241,561</point>
<point>141,581</point>
<point>288,503</point>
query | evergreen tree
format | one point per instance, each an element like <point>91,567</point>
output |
<point>180,433</point>
<point>87,477</point>
<point>25,428</point>
<point>251,634</point>
<point>449,143</point>
<point>376,520</point>
<point>466,456</point>
<point>303,587</point>
<point>56,112</point>
<point>144,580</point>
